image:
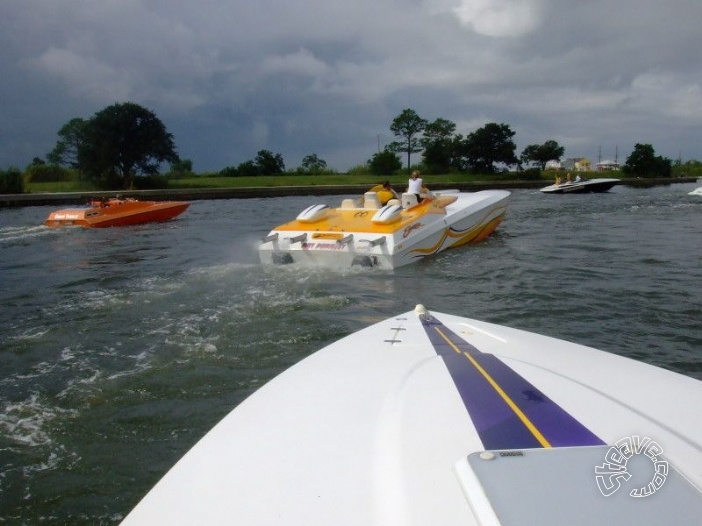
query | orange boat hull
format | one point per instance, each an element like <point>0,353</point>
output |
<point>117,212</point>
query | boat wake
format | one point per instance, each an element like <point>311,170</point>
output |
<point>29,427</point>
<point>25,422</point>
<point>14,234</point>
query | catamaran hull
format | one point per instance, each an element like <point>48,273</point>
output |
<point>470,219</point>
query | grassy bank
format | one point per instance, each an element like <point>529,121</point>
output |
<point>197,182</point>
<point>52,179</point>
<point>282,186</point>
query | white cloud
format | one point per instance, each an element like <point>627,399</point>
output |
<point>302,62</point>
<point>666,95</point>
<point>500,18</point>
<point>85,76</point>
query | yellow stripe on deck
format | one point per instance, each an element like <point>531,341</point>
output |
<point>525,420</point>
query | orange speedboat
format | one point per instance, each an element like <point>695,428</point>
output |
<point>116,212</point>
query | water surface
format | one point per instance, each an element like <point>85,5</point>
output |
<point>120,348</point>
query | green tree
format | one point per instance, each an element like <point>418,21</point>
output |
<point>269,163</point>
<point>181,168</point>
<point>47,173</point>
<point>643,162</point>
<point>407,125</point>
<point>248,169</point>
<point>384,163</point>
<point>229,171</point>
<point>439,145</point>
<point>11,181</point>
<point>691,168</point>
<point>65,153</point>
<point>487,146</point>
<point>121,142</point>
<point>312,164</point>
<point>542,153</point>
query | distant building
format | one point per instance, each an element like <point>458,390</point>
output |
<point>553,165</point>
<point>607,165</point>
<point>577,164</point>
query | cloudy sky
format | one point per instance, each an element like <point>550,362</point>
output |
<point>231,77</point>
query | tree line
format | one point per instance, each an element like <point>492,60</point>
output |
<point>125,143</point>
<point>489,149</point>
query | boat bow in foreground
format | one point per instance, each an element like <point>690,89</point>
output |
<point>430,418</point>
<point>116,212</point>
<point>363,232</point>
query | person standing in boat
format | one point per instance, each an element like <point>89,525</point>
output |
<point>414,186</point>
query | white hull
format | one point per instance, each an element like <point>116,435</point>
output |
<point>438,419</point>
<point>585,186</point>
<point>415,235</point>
<point>697,191</point>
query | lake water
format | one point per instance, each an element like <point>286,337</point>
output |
<point>120,348</point>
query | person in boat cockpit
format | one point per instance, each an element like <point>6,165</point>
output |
<point>414,186</point>
<point>387,196</point>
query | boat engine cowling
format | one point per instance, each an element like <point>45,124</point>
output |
<point>387,214</point>
<point>313,213</point>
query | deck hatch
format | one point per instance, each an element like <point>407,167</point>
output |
<point>557,486</point>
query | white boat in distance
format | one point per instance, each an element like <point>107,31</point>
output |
<point>363,232</point>
<point>583,186</point>
<point>696,191</point>
<point>430,418</point>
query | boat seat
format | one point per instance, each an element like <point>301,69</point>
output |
<point>394,202</point>
<point>371,201</point>
<point>348,203</point>
<point>409,200</point>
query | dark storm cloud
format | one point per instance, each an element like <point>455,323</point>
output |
<point>303,77</point>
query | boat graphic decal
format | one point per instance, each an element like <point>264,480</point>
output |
<point>476,233</point>
<point>408,230</point>
<point>483,231</point>
<point>465,237</point>
<point>507,411</point>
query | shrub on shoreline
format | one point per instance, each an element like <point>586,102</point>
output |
<point>11,181</point>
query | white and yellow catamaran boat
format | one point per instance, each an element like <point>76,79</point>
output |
<point>364,232</point>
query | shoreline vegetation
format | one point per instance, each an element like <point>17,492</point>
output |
<point>203,187</point>
<point>126,146</point>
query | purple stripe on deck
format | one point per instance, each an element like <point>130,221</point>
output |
<point>498,425</point>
